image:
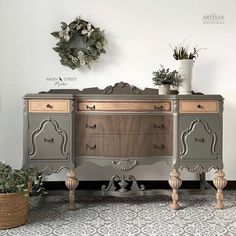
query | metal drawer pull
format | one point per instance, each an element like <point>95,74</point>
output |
<point>49,106</point>
<point>158,107</point>
<point>90,108</point>
<point>202,140</point>
<point>91,126</point>
<point>199,106</point>
<point>90,147</point>
<point>49,140</point>
<point>158,126</point>
<point>158,147</point>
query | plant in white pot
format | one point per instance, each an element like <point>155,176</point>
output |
<point>186,59</point>
<point>164,78</point>
<point>15,186</point>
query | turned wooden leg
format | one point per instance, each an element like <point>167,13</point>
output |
<point>220,182</point>
<point>72,183</point>
<point>175,182</point>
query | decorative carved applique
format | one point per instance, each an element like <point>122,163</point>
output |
<point>175,105</point>
<point>122,85</point>
<point>73,106</point>
<point>25,107</point>
<point>123,183</point>
<point>190,129</point>
<point>49,170</point>
<point>111,186</point>
<point>40,129</point>
<point>198,169</point>
<point>124,164</point>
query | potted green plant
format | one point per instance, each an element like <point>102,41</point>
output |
<point>15,186</point>
<point>164,78</point>
<point>186,58</point>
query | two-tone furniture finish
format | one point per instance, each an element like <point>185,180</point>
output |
<point>124,126</point>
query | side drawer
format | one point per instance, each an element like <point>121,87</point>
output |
<point>130,105</point>
<point>48,105</point>
<point>199,106</point>
<point>123,124</point>
<point>124,145</point>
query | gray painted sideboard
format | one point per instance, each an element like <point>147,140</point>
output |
<point>124,126</point>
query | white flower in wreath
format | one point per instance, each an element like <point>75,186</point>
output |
<point>81,57</point>
<point>78,25</point>
<point>73,59</point>
<point>89,30</point>
<point>65,34</point>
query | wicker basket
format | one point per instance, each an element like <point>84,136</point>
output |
<point>14,209</point>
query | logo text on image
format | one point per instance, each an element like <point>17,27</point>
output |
<point>213,18</point>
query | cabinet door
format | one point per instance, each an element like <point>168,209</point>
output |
<point>48,137</point>
<point>199,138</point>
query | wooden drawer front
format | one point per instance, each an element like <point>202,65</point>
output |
<point>123,124</point>
<point>124,145</point>
<point>142,106</point>
<point>48,106</point>
<point>198,106</point>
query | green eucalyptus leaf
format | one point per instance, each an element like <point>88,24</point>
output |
<point>55,34</point>
<point>57,49</point>
<point>63,25</point>
<point>98,45</point>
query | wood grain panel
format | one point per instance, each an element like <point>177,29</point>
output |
<point>49,105</point>
<point>124,145</point>
<point>123,124</point>
<point>129,105</point>
<point>199,106</point>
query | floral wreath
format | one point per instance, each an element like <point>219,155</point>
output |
<point>80,43</point>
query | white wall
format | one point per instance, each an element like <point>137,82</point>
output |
<point>138,33</point>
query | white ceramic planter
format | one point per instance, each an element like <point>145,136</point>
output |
<point>164,89</point>
<point>185,72</point>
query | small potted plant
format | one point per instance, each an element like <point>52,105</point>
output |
<point>164,78</point>
<point>15,186</point>
<point>186,58</point>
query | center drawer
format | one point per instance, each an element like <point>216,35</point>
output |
<point>124,105</point>
<point>123,124</point>
<point>124,145</point>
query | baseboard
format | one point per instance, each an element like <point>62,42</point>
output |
<point>149,184</point>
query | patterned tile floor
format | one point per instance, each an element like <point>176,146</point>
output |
<point>129,216</point>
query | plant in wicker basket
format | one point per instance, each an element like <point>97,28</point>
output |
<point>14,194</point>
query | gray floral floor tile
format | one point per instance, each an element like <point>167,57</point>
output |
<point>144,216</point>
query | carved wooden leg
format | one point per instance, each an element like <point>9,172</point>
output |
<point>220,182</point>
<point>72,183</point>
<point>175,182</point>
